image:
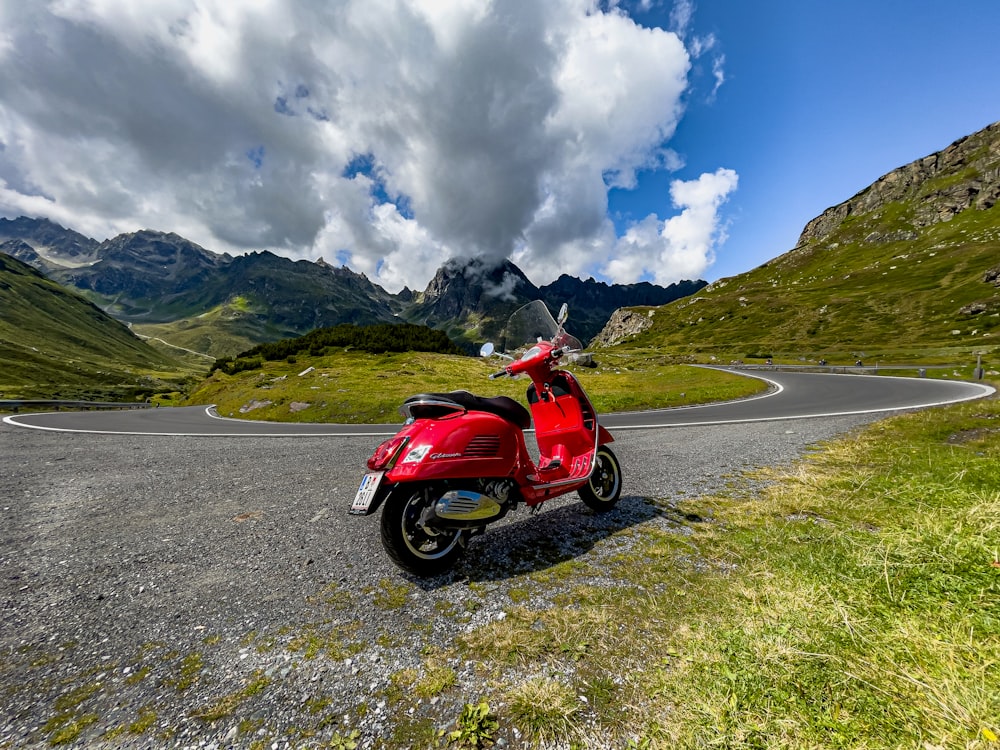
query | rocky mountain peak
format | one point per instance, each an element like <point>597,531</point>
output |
<point>465,286</point>
<point>52,246</point>
<point>151,248</point>
<point>479,276</point>
<point>964,175</point>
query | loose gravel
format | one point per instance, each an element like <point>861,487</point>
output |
<point>192,592</point>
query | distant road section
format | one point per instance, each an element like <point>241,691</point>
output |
<point>793,395</point>
<point>799,395</point>
<point>183,420</point>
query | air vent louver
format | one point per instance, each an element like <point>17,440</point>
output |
<point>483,446</point>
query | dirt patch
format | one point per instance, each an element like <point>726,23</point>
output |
<point>973,435</point>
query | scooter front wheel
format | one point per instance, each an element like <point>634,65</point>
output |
<point>602,491</point>
<point>412,545</point>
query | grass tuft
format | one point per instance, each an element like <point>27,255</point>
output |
<point>544,708</point>
<point>227,704</point>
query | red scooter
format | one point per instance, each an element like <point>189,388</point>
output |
<point>460,461</point>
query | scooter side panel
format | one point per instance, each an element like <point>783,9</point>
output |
<point>603,436</point>
<point>560,422</point>
<point>472,446</point>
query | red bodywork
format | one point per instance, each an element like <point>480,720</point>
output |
<point>472,444</point>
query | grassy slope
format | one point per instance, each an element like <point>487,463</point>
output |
<point>223,331</point>
<point>846,298</point>
<point>851,603</point>
<point>355,387</point>
<point>55,344</point>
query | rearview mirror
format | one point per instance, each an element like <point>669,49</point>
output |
<point>486,349</point>
<point>563,313</point>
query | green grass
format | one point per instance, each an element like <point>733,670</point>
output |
<point>222,331</point>
<point>431,680</point>
<point>356,387</point>
<point>851,603</point>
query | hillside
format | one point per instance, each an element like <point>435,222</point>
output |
<point>55,344</point>
<point>221,331</point>
<point>908,267</point>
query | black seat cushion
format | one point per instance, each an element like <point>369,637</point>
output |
<point>503,406</point>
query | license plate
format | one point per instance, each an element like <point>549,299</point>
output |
<point>366,492</point>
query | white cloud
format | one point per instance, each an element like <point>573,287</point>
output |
<point>393,133</point>
<point>718,73</point>
<point>681,15</point>
<point>682,247</point>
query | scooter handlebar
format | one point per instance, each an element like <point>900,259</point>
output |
<point>521,365</point>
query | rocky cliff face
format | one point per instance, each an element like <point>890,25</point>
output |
<point>52,246</point>
<point>622,325</point>
<point>936,188</point>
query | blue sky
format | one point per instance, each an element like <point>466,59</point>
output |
<point>624,139</point>
<point>820,99</point>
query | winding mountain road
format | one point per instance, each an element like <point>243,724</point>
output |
<point>793,395</point>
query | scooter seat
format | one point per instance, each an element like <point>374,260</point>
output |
<point>502,406</point>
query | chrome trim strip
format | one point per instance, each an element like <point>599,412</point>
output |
<point>405,408</point>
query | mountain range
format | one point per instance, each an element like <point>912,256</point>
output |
<point>166,286</point>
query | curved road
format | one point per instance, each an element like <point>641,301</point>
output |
<point>793,395</point>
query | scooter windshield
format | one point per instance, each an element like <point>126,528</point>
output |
<point>531,324</point>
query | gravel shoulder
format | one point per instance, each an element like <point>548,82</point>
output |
<point>213,592</point>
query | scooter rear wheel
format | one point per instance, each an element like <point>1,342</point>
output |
<point>601,493</point>
<point>422,550</point>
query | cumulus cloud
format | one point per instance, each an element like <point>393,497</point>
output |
<point>682,246</point>
<point>387,134</point>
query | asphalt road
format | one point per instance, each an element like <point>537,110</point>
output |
<point>793,395</point>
